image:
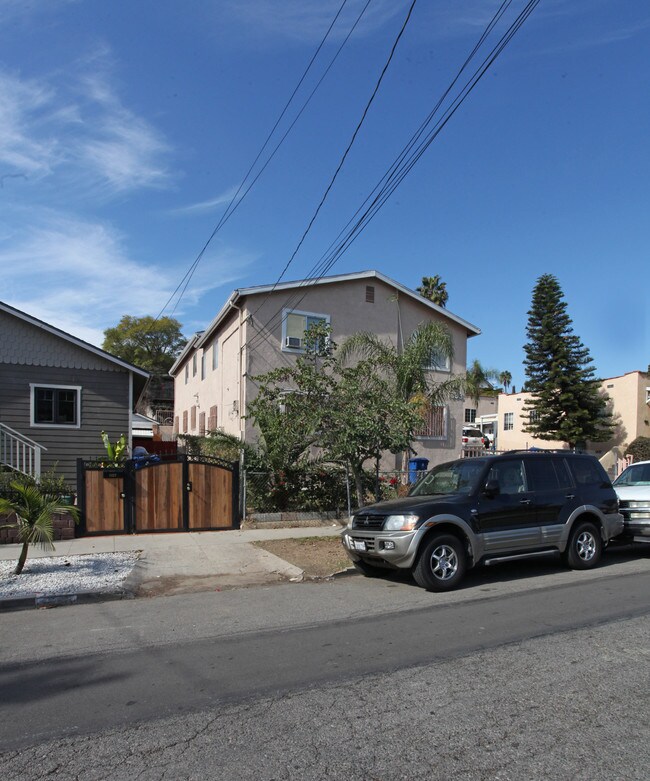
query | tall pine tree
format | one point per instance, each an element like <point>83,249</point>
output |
<point>565,403</point>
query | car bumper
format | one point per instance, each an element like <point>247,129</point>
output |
<point>636,522</point>
<point>393,549</point>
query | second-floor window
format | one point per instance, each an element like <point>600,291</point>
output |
<point>294,325</point>
<point>470,415</point>
<point>215,354</point>
<point>508,421</point>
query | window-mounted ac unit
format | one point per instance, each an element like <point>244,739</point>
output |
<point>293,341</point>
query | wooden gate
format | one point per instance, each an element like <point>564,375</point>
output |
<point>178,493</point>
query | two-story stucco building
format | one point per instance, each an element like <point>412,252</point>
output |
<point>629,399</point>
<point>261,328</point>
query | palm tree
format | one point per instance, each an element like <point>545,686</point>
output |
<point>505,378</point>
<point>410,368</point>
<point>477,379</point>
<point>34,511</point>
<point>434,289</point>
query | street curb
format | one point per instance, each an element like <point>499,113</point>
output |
<point>59,600</point>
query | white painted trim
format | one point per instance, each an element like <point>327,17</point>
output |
<point>47,385</point>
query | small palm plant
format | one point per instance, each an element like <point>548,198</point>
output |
<point>34,511</point>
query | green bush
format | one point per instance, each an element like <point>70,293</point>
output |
<point>639,449</point>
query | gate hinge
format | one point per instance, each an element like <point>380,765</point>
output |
<point>188,486</point>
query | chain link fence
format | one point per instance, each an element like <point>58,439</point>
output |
<point>319,491</point>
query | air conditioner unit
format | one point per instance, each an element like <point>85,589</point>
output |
<point>293,341</point>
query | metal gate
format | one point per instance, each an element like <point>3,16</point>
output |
<point>179,493</point>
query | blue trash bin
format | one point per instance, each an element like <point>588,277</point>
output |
<point>416,467</point>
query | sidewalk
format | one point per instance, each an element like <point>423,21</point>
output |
<point>180,562</point>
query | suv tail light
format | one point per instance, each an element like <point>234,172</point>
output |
<point>465,440</point>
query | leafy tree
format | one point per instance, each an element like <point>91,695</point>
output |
<point>34,510</point>
<point>151,344</point>
<point>350,413</point>
<point>409,371</point>
<point>566,403</point>
<point>434,289</point>
<point>505,378</point>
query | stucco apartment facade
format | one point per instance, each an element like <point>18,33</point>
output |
<point>261,328</point>
<point>629,396</point>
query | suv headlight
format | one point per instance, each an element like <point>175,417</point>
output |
<point>400,523</point>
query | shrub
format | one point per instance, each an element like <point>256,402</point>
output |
<point>639,449</point>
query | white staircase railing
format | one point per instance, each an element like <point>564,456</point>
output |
<point>19,452</point>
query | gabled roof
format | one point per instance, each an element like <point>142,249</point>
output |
<point>72,339</point>
<point>192,342</point>
<point>203,337</point>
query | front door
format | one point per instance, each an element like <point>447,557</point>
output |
<point>508,521</point>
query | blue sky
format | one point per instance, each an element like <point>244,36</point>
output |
<point>125,128</point>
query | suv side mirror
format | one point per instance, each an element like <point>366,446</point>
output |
<point>491,488</point>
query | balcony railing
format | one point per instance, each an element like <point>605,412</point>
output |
<point>19,452</point>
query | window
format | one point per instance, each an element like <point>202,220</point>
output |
<point>212,419</point>
<point>187,372</point>
<point>470,415</point>
<point>194,365</point>
<point>202,366</point>
<point>510,476</point>
<point>201,424</point>
<point>370,294</point>
<point>439,363</point>
<point>508,421</point>
<point>533,416</point>
<point>56,405</point>
<point>184,421</point>
<point>193,417</point>
<point>294,325</point>
<point>435,423</point>
<point>215,354</point>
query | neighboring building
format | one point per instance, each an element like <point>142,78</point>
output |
<point>629,397</point>
<point>57,393</point>
<point>261,328</point>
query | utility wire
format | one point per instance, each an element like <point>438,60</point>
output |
<point>404,163</point>
<point>230,208</point>
<point>345,155</point>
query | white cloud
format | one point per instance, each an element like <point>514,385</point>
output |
<point>308,20</point>
<point>77,134</point>
<point>207,206</point>
<point>78,276</point>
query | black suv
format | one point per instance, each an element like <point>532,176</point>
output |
<point>489,509</point>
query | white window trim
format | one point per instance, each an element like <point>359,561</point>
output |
<point>32,405</point>
<point>285,313</point>
<point>508,418</point>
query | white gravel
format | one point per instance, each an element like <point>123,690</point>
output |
<point>61,575</point>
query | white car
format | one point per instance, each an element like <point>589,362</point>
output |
<point>472,438</point>
<point>633,489</point>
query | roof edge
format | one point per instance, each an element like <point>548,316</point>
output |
<point>72,339</point>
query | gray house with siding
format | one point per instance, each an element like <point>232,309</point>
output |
<point>57,393</point>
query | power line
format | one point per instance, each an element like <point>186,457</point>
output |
<point>407,158</point>
<point>344,156</point>
<point>236,200</point>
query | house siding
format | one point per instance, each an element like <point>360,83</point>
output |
<point>104,406</point>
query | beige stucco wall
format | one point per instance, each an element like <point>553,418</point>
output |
<point>631,414</point>
<point>230,387</point>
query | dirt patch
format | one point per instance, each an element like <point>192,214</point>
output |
<point>317,556</point>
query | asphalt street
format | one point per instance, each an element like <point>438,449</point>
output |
<point>352,679</point>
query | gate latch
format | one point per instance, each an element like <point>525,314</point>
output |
<point>188,486</point>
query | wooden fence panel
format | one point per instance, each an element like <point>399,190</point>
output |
<point>104,510</point>
<point>159,497</point>
<point>211,497</point>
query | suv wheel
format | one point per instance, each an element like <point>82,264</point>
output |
<point>585,546</point>
<point>441,565</point>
